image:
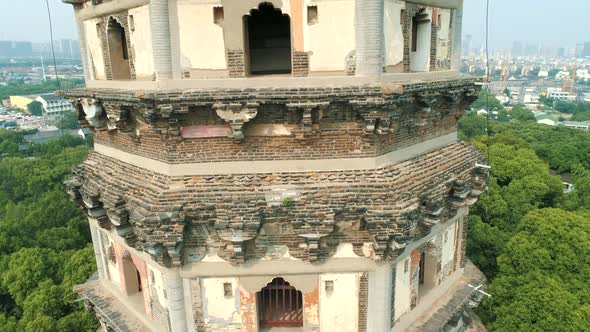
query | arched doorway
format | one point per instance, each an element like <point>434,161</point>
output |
<point>280,304</point>
<point>131,276</point>
<point>267,40</point>
<point>118,51</point>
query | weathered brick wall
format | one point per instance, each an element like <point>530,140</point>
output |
<point>352,122</point>
<point>197,302</point>
<point>367,206</point>
<point>300,64</point>
<point>236,63</point>
<point>160,315</point>
<point>433,44</point>
<point>363,302</point>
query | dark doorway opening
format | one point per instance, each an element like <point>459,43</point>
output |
<point>280,304</point>
<point>422,268</point>
<point>268,40</point>
<point>118,52</point>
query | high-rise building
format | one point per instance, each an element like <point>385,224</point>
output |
<point>517,48</point>
<point>586,52</point>
<point>262,164</point>
<point>579,50</point>
<point>16,49</point>
<point>467,45</point>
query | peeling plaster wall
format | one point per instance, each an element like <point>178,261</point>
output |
<point>311,314</point>
<point>339,307</point>
<point>420,60</point>
<point>220,311</point>
<point>201,40</point>
<point>449,242</point>
<point>156,285</point>
<point>443,43</point>
<point>394,37</point>
<point>112,266</point>
<point>332,38</point>
<point>95,49</point>
<point>141,41</point>
<point>402,287</point>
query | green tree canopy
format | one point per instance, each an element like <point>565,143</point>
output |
<point>35,108</point>
<point>522,113</point>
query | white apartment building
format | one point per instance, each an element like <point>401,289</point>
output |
<point>54,105</point>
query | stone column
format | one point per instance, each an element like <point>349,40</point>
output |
<point>97,251</point>
<point>176,308</point>
<point>369,37</point>
<point>457,21</point>
<point>380,300</point>
<point>84,51</point>
<point>161,46</point>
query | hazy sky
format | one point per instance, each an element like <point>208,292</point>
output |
<point>561,23</point>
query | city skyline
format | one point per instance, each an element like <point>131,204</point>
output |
<point>523,21</point>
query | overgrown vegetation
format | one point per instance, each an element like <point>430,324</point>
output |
<point>44,238</point>
<point>22,88</point>
<point>530,239</point>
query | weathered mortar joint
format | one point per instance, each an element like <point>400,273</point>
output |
<point>237,115</point>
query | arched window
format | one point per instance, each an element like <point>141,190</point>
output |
<point>118,52</point>
<point>267,40</point>
<point>280,304</point>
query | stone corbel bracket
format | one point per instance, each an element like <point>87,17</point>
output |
<point>377,118</point>
<point>384,229</point>
<point>94,207</point>
<point>93,112</point>
<point>117,117</point>
<point>460,191</point>
<point>432,210</point>
<point>237,226</point>
<point>479,184</point>
<point>236,115</point>
<point>423,105</point>
<point>312,116</point>
<point>168,126</point>
<point>166,241</point>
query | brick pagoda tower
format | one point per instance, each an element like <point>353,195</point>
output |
<point>284,163</point>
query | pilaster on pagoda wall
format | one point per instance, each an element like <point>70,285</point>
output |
<point>369,37</point>
<point>176,304</point>
<point>161,45</point>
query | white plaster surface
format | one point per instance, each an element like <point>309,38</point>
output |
<point>402,287</point>
<point>141,41</point>
<point>379,301</point>
<point>217,308</point>
<point>345,250</point>
<point>443,48</point>
<point>157,284</point>
<point>113,268</point>
<point>394,38</point>
<point>332,38</point>
<point>339,308</point>
<point>448,244</point>
<point>420,60</point>
<point>201,40</point>
<point>94,47</point>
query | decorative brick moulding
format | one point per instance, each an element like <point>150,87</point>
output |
<point>274,124</point>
